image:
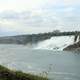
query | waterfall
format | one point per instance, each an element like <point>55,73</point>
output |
<point>55,43</point>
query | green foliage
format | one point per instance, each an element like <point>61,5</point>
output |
<point>6,74</point>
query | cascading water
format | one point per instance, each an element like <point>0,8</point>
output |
<point>55,43</point>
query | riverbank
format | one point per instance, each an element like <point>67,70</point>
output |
<point>7,74</point>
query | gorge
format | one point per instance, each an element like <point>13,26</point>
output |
<point>53,40</point>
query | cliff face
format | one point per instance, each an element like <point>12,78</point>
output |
<point>31,38</point>
<point>24,39</point>
<point>75,46</point>
<point>15,40</point>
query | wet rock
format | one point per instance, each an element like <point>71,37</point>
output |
<point>75,46</point>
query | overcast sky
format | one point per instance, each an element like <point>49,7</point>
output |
<point>35,16</point>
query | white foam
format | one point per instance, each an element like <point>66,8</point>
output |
<point>55,43</point>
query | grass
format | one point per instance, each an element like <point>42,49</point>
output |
<point>7,74</point>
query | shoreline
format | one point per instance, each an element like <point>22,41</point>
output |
<point>73,47</point>
<point>7,74</point>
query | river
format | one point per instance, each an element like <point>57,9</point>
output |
<point>59,65</point>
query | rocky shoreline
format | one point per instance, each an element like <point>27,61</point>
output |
<point>73,47</point>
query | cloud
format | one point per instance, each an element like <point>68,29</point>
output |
<point>34,16</point>
<point>19,4</point>
<point>71,2</point>
<point>33,23</point>
<point>29,5</point>
<point>39,21</point>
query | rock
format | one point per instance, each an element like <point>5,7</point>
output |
<point>75,46</point>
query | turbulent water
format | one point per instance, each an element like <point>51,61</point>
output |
<point>59,65</point>
<point>55,43</point>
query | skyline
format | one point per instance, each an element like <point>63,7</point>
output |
<point>35,16</point>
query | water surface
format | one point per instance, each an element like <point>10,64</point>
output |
<point>60,65</point>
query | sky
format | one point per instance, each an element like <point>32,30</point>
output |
<point>38,16</point>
